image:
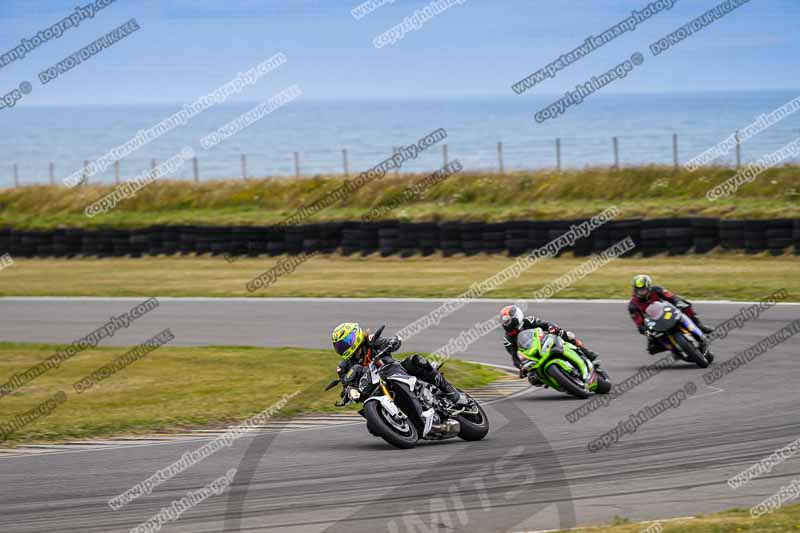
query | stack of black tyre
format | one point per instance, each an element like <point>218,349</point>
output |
<point>731,234</point>
<point>450,238</point>
<point>517,237</point>
<point>388,233</point>
<point>705,234</point>
<point>674,236</point>
<point>779,234</point>
<point>796,237</point>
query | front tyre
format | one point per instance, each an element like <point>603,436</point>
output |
<point>690,350</point>
<point>396,431</point>
<point>565,382</point>
<point>603,385</point>
<point>473,426</point>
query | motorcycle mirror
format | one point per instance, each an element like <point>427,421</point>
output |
<point>332,384</point>
<point>378,333</point>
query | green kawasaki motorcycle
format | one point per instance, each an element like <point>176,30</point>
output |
<point>549,361</point>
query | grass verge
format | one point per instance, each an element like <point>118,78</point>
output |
<point>784,519</point>
<point>174,388</point>
<point>647,192</point>
<point>713,276</point>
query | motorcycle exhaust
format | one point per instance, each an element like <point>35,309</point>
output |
<point>446,430</point>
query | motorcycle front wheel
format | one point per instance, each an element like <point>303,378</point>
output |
<point>690,350</point>
<point>399,432</point>
<point>603,385</point>
<point>566,383</point>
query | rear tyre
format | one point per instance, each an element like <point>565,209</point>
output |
<point>397,432</point>
<point>566,383</point>
<point>473,427</point>
<point>690,350</point>
<point>603,385</point>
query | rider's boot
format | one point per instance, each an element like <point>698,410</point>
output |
<point>704,349</point>
<point>590,355</point>
<point>595,359</point>
<point>453,394</point>
<point>705,329</point>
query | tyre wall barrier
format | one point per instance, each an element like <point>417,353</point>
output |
<point>672,236</point>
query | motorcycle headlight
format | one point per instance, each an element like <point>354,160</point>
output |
<point>354,394</point>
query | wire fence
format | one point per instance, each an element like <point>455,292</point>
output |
<point>499,158</point>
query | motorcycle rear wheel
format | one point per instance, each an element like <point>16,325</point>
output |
<point>379,424</point>
<point>473,427</point>
<point>566,384</point>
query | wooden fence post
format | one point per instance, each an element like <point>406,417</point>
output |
<point>675,150</point>
<point>500,165</point>
<point>738,151</point>
<point>558,154</point>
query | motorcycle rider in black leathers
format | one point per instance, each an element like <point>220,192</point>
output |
<point>514,321</point>
<point>356,347</point>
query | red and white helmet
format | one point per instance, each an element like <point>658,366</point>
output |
<point>511,317</point>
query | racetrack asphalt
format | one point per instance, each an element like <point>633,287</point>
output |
<point>533,471</point>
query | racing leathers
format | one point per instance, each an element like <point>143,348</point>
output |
<point>638,306</point>
<point>415,365</point>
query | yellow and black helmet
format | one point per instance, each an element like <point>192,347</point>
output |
<point>642,285</point>
<point>347,338</point>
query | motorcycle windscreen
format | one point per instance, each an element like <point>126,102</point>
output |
<point>528,344</point>
<point>654,310</point>
<point>552,344</point>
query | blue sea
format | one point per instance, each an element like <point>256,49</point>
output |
<point>318,131</point>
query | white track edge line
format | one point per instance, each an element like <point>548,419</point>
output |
<point>354,300</point>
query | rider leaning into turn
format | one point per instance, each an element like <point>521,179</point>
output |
<point>356,347</point>
<point>514,321</point>
<point>645,293</point>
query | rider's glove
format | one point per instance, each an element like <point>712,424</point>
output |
<point>352,375</point>
<point>523,370</point>
<point>643,330</point>
<point>394,343</point>
<point>554,330</point>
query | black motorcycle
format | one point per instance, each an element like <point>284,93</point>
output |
<point>668,324</point>
<point>402,409</point>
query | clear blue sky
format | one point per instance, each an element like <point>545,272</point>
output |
<point>187,47</point>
